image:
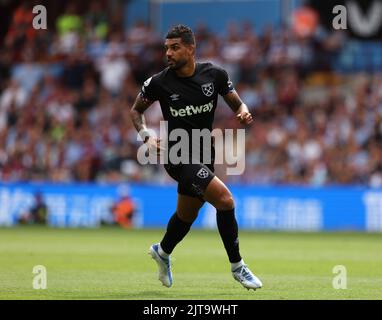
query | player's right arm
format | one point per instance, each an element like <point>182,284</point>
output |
<point>140,105</point>
<point>147,95</point>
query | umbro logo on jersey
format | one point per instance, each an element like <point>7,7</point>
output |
<point>202,173</point>
<point>191,110</point>
<point>208,89</point>
<point>174,97</point>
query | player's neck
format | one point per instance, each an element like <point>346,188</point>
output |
<point>187,70</point>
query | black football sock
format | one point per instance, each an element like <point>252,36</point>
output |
<point>176,231</point>
<point>228,230</point>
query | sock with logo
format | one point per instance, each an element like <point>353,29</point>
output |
<point>228,229</point>
<point>176,231</point>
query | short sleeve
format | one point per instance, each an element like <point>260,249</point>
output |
<point>225,84</point>
<point>149,90</point>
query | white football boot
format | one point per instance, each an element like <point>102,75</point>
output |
<point>164,266</point>
<point>248,280</point>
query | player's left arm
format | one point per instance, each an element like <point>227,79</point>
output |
<point>238,106</point>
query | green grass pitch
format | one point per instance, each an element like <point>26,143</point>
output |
<point>112,263</point>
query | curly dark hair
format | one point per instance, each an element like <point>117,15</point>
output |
<point>183,32</point>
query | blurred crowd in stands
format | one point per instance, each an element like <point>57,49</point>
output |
<point>65,96</point>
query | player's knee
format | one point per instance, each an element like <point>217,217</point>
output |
<point>226,202</point>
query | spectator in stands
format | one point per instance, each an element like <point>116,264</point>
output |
<point>95,21</point>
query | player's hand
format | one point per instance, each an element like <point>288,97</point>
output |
<point>244,117</point>
<point>153,145</point>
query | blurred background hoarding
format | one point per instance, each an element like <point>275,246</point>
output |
<point>257,208</point>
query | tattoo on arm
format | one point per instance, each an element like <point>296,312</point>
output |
<point>139,107</point>
<point>233,100</point>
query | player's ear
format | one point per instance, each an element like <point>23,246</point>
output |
<point>191,48</point>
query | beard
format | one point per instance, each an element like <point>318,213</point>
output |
<point>177,64</point>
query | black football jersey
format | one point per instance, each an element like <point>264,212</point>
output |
<point>188,102</point>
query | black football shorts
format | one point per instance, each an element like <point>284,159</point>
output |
<point>192,179</point>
